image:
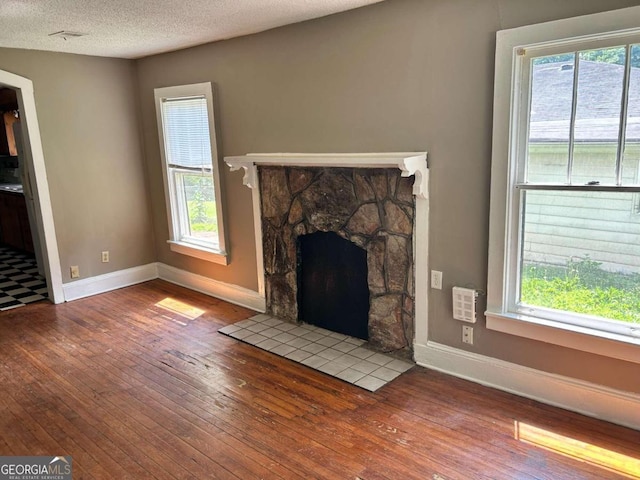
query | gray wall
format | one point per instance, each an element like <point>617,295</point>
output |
<point>399,75</point>
<point>89,123</point>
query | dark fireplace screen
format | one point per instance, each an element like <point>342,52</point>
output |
<point>333,290</point>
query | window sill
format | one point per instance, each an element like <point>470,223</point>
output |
<point>579,338</point>
<point>202,253</point>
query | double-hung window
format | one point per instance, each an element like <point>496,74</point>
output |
<point>564,254</point>
<point>190,167</point>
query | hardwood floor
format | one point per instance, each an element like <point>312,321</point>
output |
<point>134,390</point>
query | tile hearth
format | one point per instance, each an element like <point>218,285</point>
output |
<point>338,355</point>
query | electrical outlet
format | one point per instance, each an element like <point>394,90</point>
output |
<point>105,256</point>
<point>436,279</point>
<point>467,334</point>
<point>75,271</point>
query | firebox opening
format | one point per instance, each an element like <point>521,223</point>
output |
<point>333,290</point>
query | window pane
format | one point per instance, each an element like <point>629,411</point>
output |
<point>190,164</point>
<point>581,253</point>
<point>550,118</point>
<point>630,162</point>
<point>198,202</point>
<point>186,131</point>
<point>598,108</point>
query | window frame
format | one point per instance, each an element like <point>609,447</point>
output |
<point>178,243</point>
<point>510,122</point>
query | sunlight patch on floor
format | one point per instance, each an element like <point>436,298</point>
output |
<point>181,308</point>
<point>578,450</point>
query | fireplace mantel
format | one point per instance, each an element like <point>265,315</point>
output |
<point>410,163</point>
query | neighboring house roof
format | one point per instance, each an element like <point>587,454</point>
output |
<point>598,106</point>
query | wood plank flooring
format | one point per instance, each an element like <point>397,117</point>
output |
<point>133,390</point>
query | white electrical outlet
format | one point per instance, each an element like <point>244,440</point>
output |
<point>436,279</point>
<point>467,334</point>
<point>75,271</point>
<point>105,256</point>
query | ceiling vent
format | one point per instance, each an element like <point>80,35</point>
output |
<point>65,35</point>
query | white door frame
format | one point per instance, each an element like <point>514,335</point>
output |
<point>40,186</point>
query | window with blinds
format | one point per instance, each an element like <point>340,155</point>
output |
<point>186,130</point>
<point>189,155</point>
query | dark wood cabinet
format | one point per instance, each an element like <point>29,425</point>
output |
<point>14,221</point>
<point>7,139</point>
<point>8,109</point>
<point>25,228</point>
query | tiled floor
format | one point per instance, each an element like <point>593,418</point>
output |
<point>20,282</point>
<point>335,354</point>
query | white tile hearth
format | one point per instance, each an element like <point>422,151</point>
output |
<point>329,352</point>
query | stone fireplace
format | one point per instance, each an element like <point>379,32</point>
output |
<point>369,200</point>
<point>372,208</point>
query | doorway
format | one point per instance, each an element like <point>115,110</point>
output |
<point>34,164</point>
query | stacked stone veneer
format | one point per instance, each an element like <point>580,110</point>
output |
<point>373,208</point>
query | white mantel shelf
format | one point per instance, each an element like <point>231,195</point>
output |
<point>410,163</point>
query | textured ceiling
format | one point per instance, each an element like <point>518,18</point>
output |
<point>137,28</point>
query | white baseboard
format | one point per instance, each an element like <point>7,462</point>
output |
<point>614,406</point>
<point>124,278</point>
<point>109,281</point>
<point>224,291</point>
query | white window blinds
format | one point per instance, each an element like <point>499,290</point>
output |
<point>186,131</point>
